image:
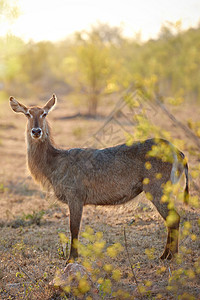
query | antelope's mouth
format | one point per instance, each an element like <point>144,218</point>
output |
<point>36,136</point>
<point>36,133</point>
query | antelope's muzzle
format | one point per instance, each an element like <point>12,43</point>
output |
<point>36,133</point>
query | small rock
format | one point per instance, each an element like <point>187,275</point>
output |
<point>143,207</point>
<point>72,277</point>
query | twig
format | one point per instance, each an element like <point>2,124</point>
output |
<point>170,273</point>
<point>15,284</point>
<point>187,130</point>
<point>119,105</point>
<point>190,134</point>
<point>134,276</point>
<point>32,279</point>
<point>196,187</point>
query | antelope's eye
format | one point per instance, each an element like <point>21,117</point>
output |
<point>44,115</point>
<point>28,115</point>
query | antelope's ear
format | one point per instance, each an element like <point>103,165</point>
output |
<point>50,104</point>
<point>17,106</point>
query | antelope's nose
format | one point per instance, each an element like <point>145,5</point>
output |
<point>36,132</point>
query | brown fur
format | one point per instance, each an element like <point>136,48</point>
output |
<point>109,176</point>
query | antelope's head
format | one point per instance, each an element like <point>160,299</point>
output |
<point>37,127</point>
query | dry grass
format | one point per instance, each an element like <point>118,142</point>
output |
<point>30,221</point>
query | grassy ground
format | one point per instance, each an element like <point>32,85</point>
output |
<point>30,220</point>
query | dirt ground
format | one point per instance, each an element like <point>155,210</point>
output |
<point>30,220</point>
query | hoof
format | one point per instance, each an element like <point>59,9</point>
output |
<point>170,256</point>
<point>70,261</point>
<point>167,255</point>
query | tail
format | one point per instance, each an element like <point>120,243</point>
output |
<point>186,191</point>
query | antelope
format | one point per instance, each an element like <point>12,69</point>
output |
<point>109,176</point>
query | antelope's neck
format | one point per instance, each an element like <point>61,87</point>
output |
<point>42,160</point>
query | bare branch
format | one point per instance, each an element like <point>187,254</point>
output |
<point>128,255</point>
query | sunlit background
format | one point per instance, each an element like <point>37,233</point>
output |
<point>54,20</point>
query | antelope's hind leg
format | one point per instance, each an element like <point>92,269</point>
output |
<point>172,220</point>
<point>171,247</point>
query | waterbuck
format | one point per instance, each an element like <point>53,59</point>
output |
<point>107,176</point>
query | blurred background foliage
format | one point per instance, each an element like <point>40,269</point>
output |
<point>8,10</point>
<point>100,61</point>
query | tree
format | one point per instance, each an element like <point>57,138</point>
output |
<point>93,63</point>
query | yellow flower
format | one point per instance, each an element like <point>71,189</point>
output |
<point>116,275</point>
<point>146,181</point>
<point>148,165</point>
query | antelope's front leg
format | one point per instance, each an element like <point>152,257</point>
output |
<point>76,209</point>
